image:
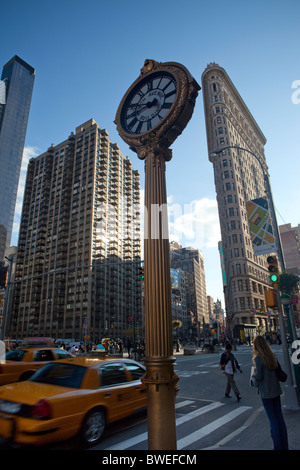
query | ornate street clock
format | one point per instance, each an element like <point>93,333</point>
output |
<point>153,112</point>
<point>157,107</point>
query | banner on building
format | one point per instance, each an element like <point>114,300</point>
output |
<point>222,263</point>
<point>260,225</point>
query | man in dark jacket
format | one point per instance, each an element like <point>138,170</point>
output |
<point>230,365</point>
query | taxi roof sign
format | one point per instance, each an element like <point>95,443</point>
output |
<point>34,342</point>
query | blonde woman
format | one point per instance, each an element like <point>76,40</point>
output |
<point>265,363</point>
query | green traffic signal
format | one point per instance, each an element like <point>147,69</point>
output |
<point>273,269</point>
<point>273,278</point>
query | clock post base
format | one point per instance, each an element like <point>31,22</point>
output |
<point>161,383</point>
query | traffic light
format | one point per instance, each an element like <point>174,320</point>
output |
<point>142,273</point>
<point>3,276</point>
<point>273,270</point>
<point>271,298</point>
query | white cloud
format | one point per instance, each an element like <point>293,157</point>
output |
<point>195,224</point>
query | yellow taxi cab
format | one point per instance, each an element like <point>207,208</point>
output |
<point>75,397</point>
<point>21,363</point>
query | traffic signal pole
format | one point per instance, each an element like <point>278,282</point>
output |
<point>291,395</point>
<point>290,389</point>
<point>292,401</point>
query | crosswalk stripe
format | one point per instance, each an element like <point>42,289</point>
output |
<point>198,412</point>
<point>144,436</point>
<point>209,428</point>
<point>183,403</point>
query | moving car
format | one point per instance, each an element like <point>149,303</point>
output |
<point>22,362</point>
<point>78,396</point>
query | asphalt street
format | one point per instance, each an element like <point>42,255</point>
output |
<point>205,418</point>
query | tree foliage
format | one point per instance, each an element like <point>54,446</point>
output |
<point>289,283</point>
<point>177,324</point>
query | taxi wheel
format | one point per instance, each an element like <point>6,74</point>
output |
<point>92,427</point>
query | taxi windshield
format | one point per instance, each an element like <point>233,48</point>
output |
<point>64,375</point>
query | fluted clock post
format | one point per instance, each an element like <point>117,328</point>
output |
<point>152,113</point>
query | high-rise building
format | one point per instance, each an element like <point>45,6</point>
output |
<point>178,300</point>
<point>79,251</point>
<point>238,178</point>
<point>290,237</point>
<point>15,98</point>
<point>191,262</point>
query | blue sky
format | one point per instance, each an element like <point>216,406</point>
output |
<point>86,55</point>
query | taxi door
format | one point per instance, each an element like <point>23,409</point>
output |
<point>118,392</point>
<point>136,372</point>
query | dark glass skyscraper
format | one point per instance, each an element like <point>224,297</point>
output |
<point>15,97</point>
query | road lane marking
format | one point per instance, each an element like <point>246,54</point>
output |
<point>144,436</point>
<point>238,431</point>
<point>211,427</point>
<point>183,403</point>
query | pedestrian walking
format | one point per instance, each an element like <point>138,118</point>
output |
<point>129,345</point>
<point>229,365</point>
<point>265,363</point>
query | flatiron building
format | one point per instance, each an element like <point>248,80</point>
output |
<point>239,178</point>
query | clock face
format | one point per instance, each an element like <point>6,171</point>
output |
<point>148,103</point>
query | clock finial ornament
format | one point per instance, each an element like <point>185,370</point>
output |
<point>149,64</point>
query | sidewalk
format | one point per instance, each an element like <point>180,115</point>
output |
<point>256,436</point>
<point>256,432</point>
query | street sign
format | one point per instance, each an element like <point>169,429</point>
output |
<point>294,300</point>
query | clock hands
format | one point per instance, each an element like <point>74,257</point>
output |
<point>152,103</point>
<point>149,104</point>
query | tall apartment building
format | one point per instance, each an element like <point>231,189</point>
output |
<point>79,251</point>
<point>290,238</point>
<point>178,300</point>
<point>16,87</point>
<point>238,178</point>
<point>191,261</point>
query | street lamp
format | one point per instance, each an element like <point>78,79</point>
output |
<point>286,302</point>
<point>7,298</point>
<point>291,396</point>
<point>269,196</point>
